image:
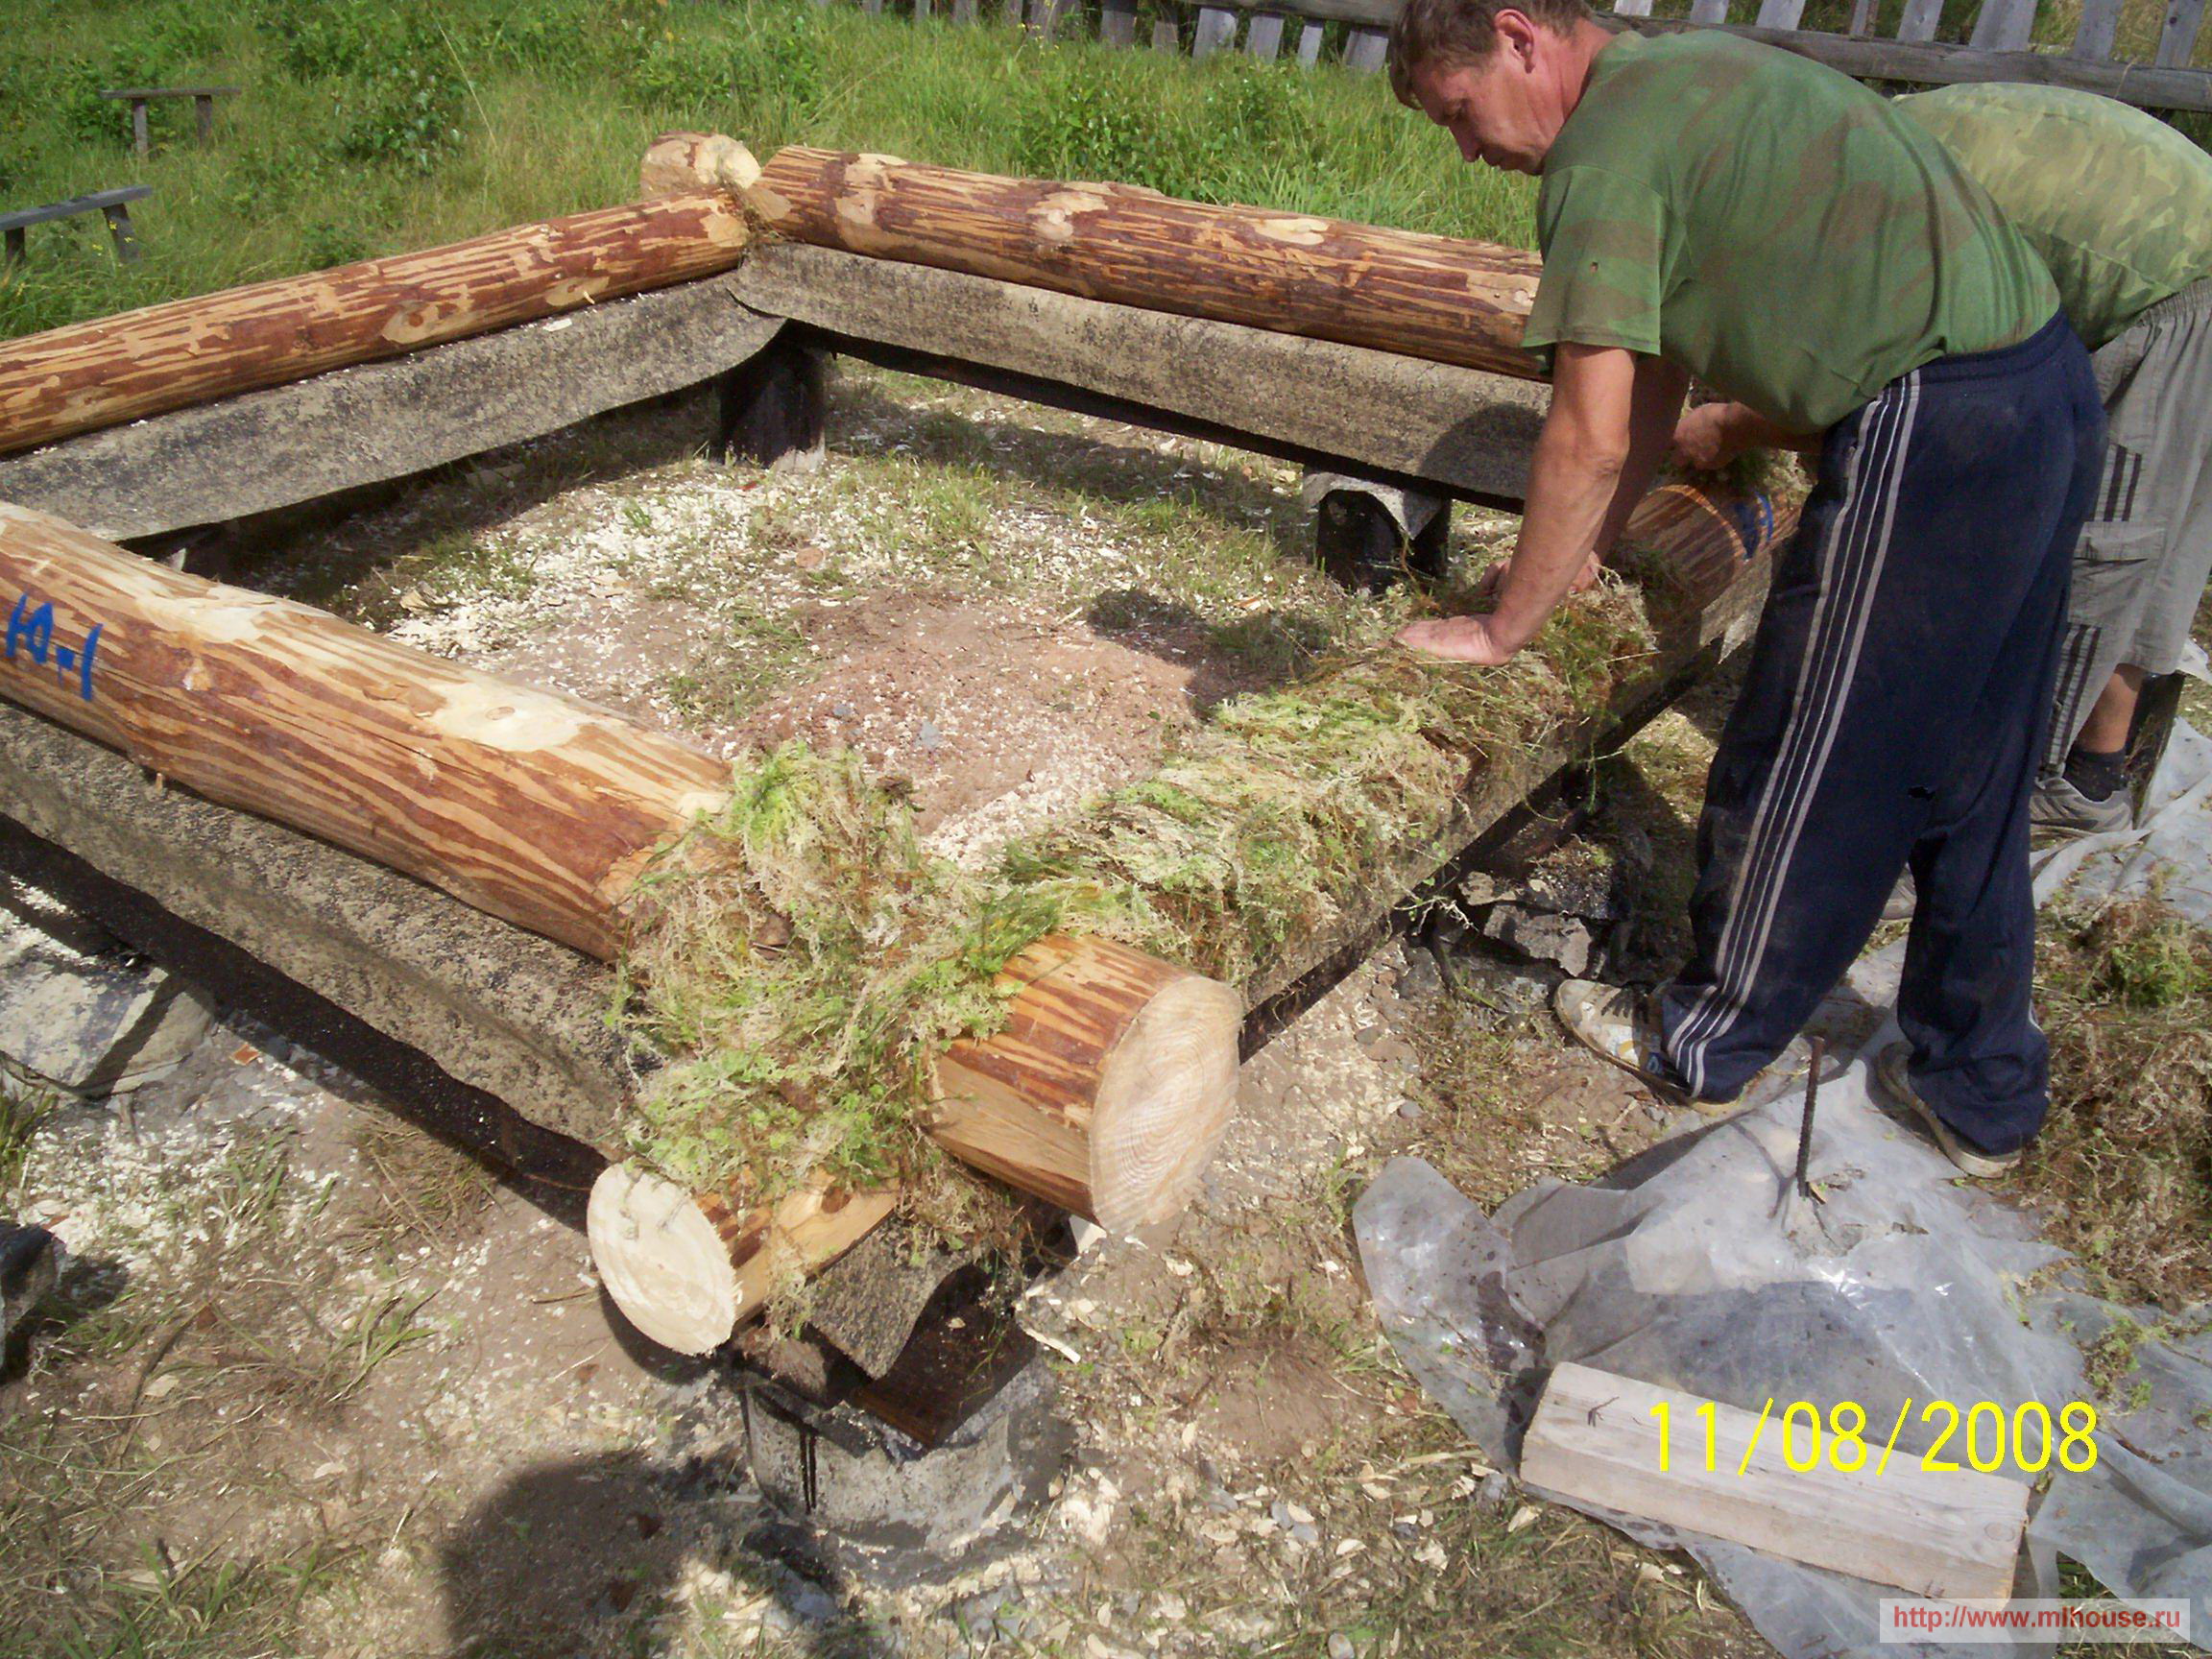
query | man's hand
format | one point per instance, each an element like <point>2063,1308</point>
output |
<point>1460,639</point>
<point>1708,437</point>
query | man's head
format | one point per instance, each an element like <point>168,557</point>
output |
<point>1501,77</point>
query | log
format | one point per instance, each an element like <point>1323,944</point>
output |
<point>1943,1534</point>
<point>538,809</point>
<point>1436,297</point>
<point>163,357</point>
<point>1107,1092</point>
<point>1110,1087</point>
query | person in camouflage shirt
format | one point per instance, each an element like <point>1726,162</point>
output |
<point>1714,207</point>
<point>2119,207</point>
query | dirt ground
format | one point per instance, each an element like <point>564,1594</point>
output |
<point>323,1386</point>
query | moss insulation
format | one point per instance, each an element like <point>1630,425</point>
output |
<point>798,959</point>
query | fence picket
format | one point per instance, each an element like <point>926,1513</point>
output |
<point>2178,40</point>
<point>1118,22</point>
<point>2004,26</point>
<point>1920,19</point>
<point>1165,37</point>
<point>1367,49</point>
<point>1779,13</point>
<point>1633,8</point>
<point>1862,17</point>
<point>1216,29</point>
<point>1310,45</point>
<point>2099,24</point>
<point>1263,38</point>
<point>1708,11</point>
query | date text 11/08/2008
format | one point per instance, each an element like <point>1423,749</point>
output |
<point>2029,1438</point>
<point>31,634</point>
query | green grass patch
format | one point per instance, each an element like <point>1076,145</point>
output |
<point>2122,1172</point>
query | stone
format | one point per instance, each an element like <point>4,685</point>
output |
<point>80,1012</point>
<point>1542,936</point>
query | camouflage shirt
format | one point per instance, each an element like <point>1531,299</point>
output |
<point>1770,226</point>
<point>2118,203</point>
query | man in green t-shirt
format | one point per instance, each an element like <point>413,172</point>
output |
<point>1715,207</point>
<point>2119,207</point>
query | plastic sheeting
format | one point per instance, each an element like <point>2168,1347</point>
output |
<point>1694,1267</point>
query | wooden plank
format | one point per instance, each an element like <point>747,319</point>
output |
<point>93,201</point>
<point>2002,26</point>
<point>1920,20</point>
<point>1459,431</point>
<point>1780,13</point>
<point>2100,26</point>
<point>168,91</point>
<point>270,450</point>
<point>963,10</point>
<point>2177,39</point>
<point>1118,22</point>
<point>1862,18</point>
<point>1633,8</point>
<point>1597,1438</point>
<point>1310,39</point>
<point>1165,37</point>
<point>1367,49</point>
<point>1707,11</point>
<point>1934,63</point>
<point>1265,38</point>
<point>1216,29</point>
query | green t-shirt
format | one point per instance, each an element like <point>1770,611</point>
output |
<point>1770,226</point>
<point>2117,202</point>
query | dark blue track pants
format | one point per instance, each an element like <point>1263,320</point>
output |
<point>1892,712</point>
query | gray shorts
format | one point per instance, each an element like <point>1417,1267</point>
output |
<point>2147,549</point>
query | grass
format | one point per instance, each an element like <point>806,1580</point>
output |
<point>367,129</point>
<point>2122,1172</point>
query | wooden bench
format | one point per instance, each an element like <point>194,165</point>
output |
<point>112,202</point>
<point>202,103</point>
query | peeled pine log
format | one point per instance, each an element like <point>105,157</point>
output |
<point>148,362</point>
<point>1106,1093</point>
<point>1442,297</point>
<point>1108,1089</point>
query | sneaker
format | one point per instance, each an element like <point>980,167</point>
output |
<point>1890,1069</point>
<point>1617,1025</point>
<point>2056,805</point>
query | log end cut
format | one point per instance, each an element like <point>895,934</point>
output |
<point>1164,1100</point>
<point>687,1272</point>
<point>678,162</point>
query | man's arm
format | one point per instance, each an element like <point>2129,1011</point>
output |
<point>1714,434</point>
<point>1582,457</point>
<point>1660,388</point>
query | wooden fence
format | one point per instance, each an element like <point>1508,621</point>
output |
<point>1997,47</point>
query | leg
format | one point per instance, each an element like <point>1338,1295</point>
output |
<point>769,409</point>
<point>1977,1058</point>
<point>138,134</point>
<point>1867,688</point>
<point>2146,548</point>
<point>203,108</point>
<point>119,231</point>
<point>2112,717</point>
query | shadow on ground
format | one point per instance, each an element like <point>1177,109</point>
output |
<point>585,1555</point>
